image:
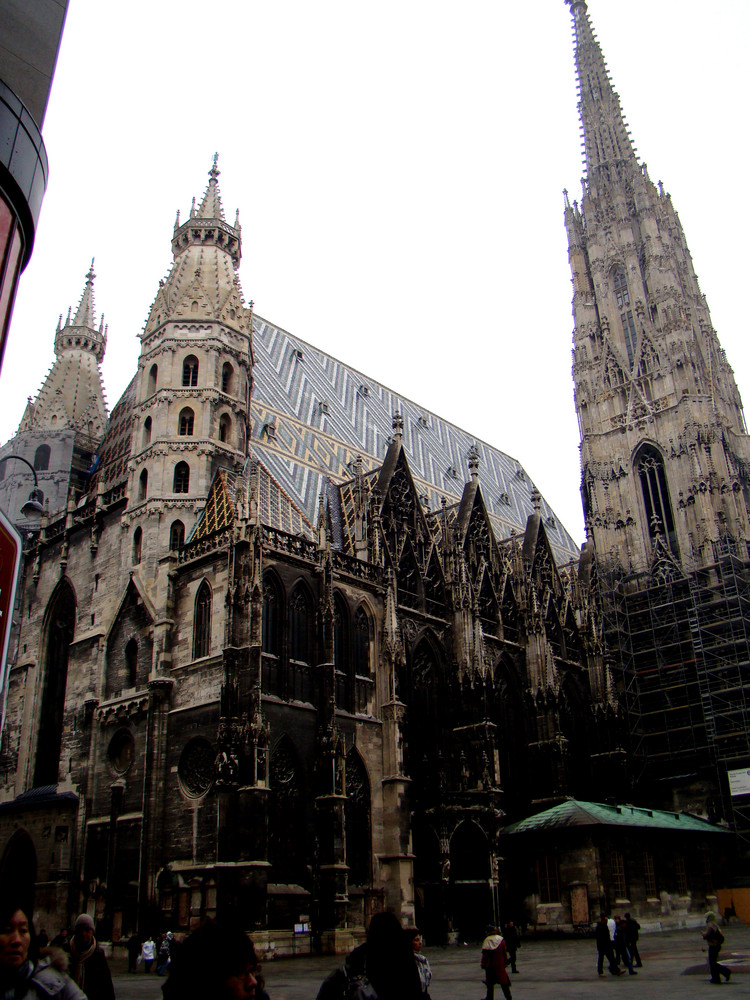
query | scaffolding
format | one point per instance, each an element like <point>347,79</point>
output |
<point>683,642</point>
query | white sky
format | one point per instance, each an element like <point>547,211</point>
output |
<point>399,169</point>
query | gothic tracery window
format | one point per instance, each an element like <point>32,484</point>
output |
<point>626,313</point>
<point>176,536</point>
<point>181,478</point>
<point>271,630</point>
<point>187,419</point>
<point>300,619</point>
<point>190,371</point>
<point>202,622</point>
<point>649,466</point>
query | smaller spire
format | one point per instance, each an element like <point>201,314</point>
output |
<point>85,314</point>
<point>398,425</point>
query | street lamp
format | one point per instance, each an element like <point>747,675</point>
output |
<point>35,503</point>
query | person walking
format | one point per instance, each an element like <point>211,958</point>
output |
<point>423,966</point>
<point>25,974</point>
<point>604,947</point>
<point>622,953</point>
<point>632,930</point>
<point>165,949</point>
<point>148,951</point>
<point>512,943</point>
<point>715,939</point>
<point>217,961</point>
<point>89,968</point>
<point>494,962</point>
<point>134,950</point>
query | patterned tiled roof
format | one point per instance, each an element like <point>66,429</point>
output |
<point>313,416</point>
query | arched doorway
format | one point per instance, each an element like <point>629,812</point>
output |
<point>471,894</point>
<point>18,870</point>
<point>429,888</point>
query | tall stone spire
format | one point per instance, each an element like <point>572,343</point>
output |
<point>203,281</point>
<point>72,396</point>
<point>664,449</point>
<point>606,136</point>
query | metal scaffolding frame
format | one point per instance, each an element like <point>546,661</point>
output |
<point>683,643</point>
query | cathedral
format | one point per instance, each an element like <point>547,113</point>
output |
<point>290,647</point>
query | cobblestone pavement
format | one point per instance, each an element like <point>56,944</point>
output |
<point>674,968</point>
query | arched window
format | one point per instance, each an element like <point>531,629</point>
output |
<point>357,822</point>
<point>649,466</point>
<point>176,536</point>
<point>300,622</point>
<point>202,622</point>
<point>58,635</point>
<point>227,378</point>
<point>225,425</point>
<point>271,632</point>
<point>190,371</point>
<point>146,431</point>
<point>143,485</point>
<point>152,379</point>
<point>187,417</point>
<point>341,657</point>
<point>41,458</point>
<point>137,545</point>
<point>622,295</point>
<point>361,637</point>
<point>131,661</point>
<point>181,478</point>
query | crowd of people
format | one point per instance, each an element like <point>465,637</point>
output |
<point>219,960</point>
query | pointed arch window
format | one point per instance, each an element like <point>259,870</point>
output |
<point>131,662</point>
<point>225,425</point>
<point>202,622</point>
<point>271,631</point>
<point>649,466</point>
<point>143,485</point>
<point>41,458</point>
<point>146,431</point>
<point>137,545</point>
<point>341,654</point>
<point>190,371</point>
<point>361,643</point>
<point>300,621</point>
<point>153,376</point>
<point>58,635</point>
<point>176,536</point>
<point>181,478</point>
<point>187,418</point>
<point>227,378</point>
<point>622,295</point>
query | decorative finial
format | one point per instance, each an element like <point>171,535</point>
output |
<point>214,171</point>
<point>90,276</point>
<point>193,209</point>
<point>398,424</point>
<point>536,499</point>
<point>474,462</point>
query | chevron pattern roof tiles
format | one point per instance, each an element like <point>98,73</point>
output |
<point>290,381</point>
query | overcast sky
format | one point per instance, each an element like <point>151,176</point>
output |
<point>399,170</point>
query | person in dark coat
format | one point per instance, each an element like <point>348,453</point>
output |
<point>622,951</point>
<point>88,967</point>
<point>134,950</point>
<point>715,939</point>
<point>604,948</point>
<point>217,961</point>
<point>383,968</point>
<point>494,962</point>
<point>512,943</point>
<point>632,929</point>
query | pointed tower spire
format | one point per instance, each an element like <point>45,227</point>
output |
<point>606,136</point>
<point>85,313</point>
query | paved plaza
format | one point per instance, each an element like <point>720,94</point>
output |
<point>674,968</point>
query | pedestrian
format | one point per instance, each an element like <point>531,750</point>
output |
<point>89,968</point>
<point>60,940</point>
<point>383,968</point>
<point>494,962</point>
<point>512,943</point>
<point>423,966</point>
<point>25,974</point>
<point>148,951</point>
<point>164,953</point>
<point>604,947</point>
<point>715,939</point>
<point>134,950</point>
<point>217,961</point>
<point>622,953</point>
<point>632,930</point>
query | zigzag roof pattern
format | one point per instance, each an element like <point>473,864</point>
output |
<point>313,416</point>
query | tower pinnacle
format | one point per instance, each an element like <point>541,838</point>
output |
<point>607,143</point>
